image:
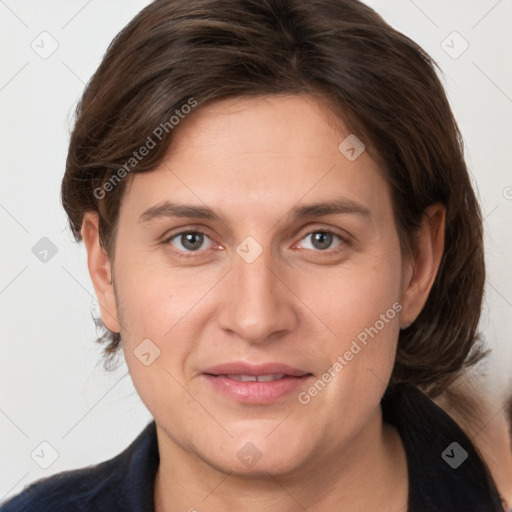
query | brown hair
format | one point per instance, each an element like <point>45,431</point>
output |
<point>383,86</point>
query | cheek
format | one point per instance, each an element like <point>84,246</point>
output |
<point>155,311</point>
<point>359,306</point>
<point>352,298</point>
<point>152,296</point>
<point>166,307</point>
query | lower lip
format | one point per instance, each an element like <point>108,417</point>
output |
<point>256,392</point>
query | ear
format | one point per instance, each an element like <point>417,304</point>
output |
<point>421,269</point>
<point>100,271</point>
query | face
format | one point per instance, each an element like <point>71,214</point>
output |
<point>259,248</point>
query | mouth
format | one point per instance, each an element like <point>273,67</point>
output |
<point>255,378</point>
<point>256,384</point>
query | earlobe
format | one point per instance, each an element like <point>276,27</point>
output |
<point>100,271</point>
<point>424,263</point>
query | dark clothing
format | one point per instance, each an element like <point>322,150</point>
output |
<point>441,478</point>
<point>434,446</point>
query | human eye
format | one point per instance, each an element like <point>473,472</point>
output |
<point>186,243</point>
<point>324,240</point>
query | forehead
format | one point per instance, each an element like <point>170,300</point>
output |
<point>260,153</point>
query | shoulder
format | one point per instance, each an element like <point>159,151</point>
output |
<point>73,489</point>
<point>445,470</point>
<point>106,486</point>
<point>480,413</point>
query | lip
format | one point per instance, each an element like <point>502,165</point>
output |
<point>255,393</point>
<point>239,367</point>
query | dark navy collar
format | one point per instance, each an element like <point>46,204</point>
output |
<point>446,474</point>
<point>139,465</point>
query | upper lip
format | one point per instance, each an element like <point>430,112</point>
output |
<point>241,368</point>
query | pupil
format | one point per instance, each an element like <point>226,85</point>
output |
<point>322,240</point>
<point>192,240</point>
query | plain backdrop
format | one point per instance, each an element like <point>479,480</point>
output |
<point>53,389</point>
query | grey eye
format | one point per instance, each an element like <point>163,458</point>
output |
<point>320,240</point>
<point>189,241</point>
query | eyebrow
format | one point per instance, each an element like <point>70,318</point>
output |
<point>337,206</point>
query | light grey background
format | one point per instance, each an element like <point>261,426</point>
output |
<point>53,388</point>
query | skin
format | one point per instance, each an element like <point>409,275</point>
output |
<point>253,161</point>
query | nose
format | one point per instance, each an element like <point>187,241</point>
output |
<point>258,303</point>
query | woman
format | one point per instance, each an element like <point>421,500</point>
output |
<point>285,244</point>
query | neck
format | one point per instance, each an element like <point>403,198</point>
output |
<point>369,474</point>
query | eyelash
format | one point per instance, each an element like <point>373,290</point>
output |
<point>190,254</point>
<point>345,242</point>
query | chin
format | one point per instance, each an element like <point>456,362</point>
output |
<point>258,455</point>
<point>277,465</point>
